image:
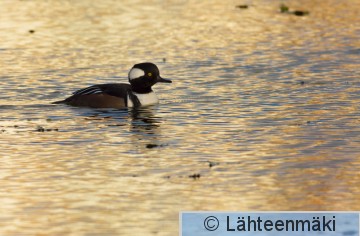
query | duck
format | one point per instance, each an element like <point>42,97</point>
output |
<point>137,93</point>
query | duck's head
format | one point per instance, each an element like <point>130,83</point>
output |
<point>143,76</point>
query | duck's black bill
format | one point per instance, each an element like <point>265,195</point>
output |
<point>163,80</point>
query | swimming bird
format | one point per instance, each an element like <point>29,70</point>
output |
<point>139,92</point>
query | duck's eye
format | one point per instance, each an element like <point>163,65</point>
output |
<point>149,74</point>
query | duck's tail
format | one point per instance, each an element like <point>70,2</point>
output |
<point>58,102</point>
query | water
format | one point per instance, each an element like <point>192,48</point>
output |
<point>262,114</point>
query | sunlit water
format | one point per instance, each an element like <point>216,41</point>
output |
<point>262,114</point>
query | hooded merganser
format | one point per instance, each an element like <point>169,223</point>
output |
<point>119,95</point>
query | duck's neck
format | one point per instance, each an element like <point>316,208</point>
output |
<point>141,90</point>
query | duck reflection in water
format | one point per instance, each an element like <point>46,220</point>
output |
<point>140,120</point>
<point>144,120</point>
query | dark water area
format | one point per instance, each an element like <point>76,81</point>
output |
<point>262,114</point>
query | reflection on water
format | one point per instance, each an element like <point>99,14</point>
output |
<point>262,113</point>
<point>144,120</point>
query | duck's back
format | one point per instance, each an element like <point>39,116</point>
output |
<point>100,96</point>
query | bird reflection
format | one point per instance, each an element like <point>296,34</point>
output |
<point>144,120</point>
<point>139,120</point>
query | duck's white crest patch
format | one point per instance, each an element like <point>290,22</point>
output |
<point>136,73</point>
<point>145,99</point>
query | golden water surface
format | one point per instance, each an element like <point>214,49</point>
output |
<point>262,114</point>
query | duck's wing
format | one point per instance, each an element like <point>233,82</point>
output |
<point>102,95</point>
<point>117,90</point>
<point>95,89</point>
